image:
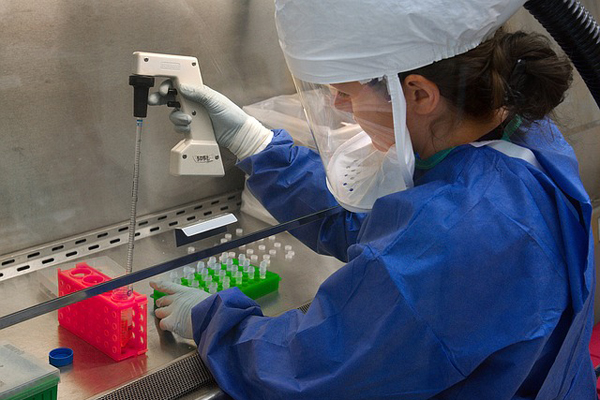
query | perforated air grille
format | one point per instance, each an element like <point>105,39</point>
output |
<point>182,376</point>
<point>304,308</point>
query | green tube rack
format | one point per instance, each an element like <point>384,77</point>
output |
<point>251,287</point>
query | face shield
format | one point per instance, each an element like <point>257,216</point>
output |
<point>345,57</point>
<point>360,131</point>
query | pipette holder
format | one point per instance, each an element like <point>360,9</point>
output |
<point>100,320</point>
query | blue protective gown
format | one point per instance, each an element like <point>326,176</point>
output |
<point>475,284</point>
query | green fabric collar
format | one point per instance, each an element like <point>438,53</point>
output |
<point>435,159</point>
<point>432,161</point>
<point>512,127</point>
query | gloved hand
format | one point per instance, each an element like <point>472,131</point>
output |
<point>234,129</point>
<point>175,310</point>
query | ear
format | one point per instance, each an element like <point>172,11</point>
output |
<point>422,95</point>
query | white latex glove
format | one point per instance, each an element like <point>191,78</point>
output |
<point>234,129</point>
<point>175,310</point>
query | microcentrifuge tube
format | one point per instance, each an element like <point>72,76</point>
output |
<point>228,236</point>
<point>238,277</point>
<point>239,232</point>
<point>273,252</point>
<point>254,258</point>
<point>213,287</point>
<point>287,247</point>
<point>223,258</point>
<point>200,265</point>
<point>272,238</point>
<point>126,325</point>
<point>262,247</point>
<point>277,245</point>
<point>246,264</point>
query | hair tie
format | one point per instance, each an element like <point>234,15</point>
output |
<point>518,69</point>
<point>515,82</point>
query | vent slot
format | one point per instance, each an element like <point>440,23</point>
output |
<point>56,253</point>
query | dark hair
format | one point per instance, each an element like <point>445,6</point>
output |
<point>518,71</point>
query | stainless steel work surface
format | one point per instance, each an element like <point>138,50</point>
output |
<point>93,372</point>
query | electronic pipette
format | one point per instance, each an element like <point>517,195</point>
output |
<point>198,153</point>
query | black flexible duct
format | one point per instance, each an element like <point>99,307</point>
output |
<point>576,31</point>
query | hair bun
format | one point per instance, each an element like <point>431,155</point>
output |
<point>539,77</point>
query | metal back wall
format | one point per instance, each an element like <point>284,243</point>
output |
<point>66,154</point>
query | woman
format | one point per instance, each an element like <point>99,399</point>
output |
<point>467,233</point>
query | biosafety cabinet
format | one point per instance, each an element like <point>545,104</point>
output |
<point>68,155</point>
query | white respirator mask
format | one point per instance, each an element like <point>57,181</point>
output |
<point>358,129</point>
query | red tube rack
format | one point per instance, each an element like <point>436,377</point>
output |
<point>100,320</point>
